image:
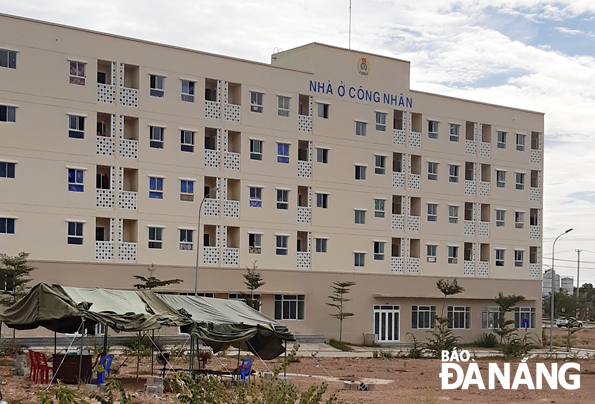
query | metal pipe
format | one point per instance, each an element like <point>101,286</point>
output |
<point>81,351</point>
<point>198,240</point>
<point>152,349</point>
<point>138,358</point>
<point>552,293</point>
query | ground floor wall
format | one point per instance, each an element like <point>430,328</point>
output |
<point>392,306</point>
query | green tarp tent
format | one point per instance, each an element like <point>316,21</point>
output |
<point>218,322</point>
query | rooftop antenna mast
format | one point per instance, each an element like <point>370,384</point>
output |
<point>350,24</point>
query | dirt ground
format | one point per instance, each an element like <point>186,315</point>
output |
<point>397,380</point>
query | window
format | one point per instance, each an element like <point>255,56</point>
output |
<point>519,220</point>
<point>8,59</point>
<point>155,188</point>
<point>500,178</point>
<point>360,128</point>
<point>500,257</point>
<point>290,307</point>
<point>321,155</point>
<point>518,258</point>
<point>75,233</point>
<point>379,250</point>
<point>520,181</point>
<point>7,114</point>
<point>283,105</point>
<point>7,170</point>
<point>453,173</point>
<point>187,141</point>
<point>323,110</point>
<point>76,180</point>
<point>156,237</point>
<point>283,153</point>
<point>6,225</point>
<point>520,142</point>
<point>379,164</point>
<point>423,317</point>
<point>359,259</point>
<point>453,254</point>
<point>360,216</point>
<point>453,214</point>
<point>186,239</point>
<point>254,243</point>
<point>77,73</point>
<point>360,172</point>
<point>281,243</point>
<point>282,199</point>
<point>255,197</point>
<point>76,127</point>
<point>256,149</point>
<point>188,90</point>
<point>6,282</point>
<point>459,317</point>
<point>501,140</point>
<point>187,190</point>
<point>524,317</point>
<point>156,135</point>
<point>454,132</point>
<point>432,171</point>
<point>256,102</point>
<point>381,121</point>
<point>433,129</point>
<point>432,212</point>
<point>321,245</point>
<point>500,217</point>
<point>157,86</point>
<point>379,207</point>
<point>490,318</point>
<point>321,200</point>
<point>431,252</point>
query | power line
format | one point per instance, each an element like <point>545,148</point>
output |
<point>561,259</point>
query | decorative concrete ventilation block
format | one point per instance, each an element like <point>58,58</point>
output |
<point>267,375</point>
<point>157,390</point>
<point>154,381</point>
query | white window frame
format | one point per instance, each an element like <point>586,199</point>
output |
<point>361,128</point>
<point>459,317</point>
<point>7,56</point>
<point>423,317</point>
<point>321,200</point>
<point>8,225</point>
<point>360,216</point>
<point>283,105</point>
<point>381,121</point>
<point>9,115</point>
<point>501,139</point>
<point>255,197</point>
<point>186,146</point>
<point>520,142</point>
<point>524,313</point>
<point>379,164</point>
<point>76,126</point>
<point>432,209</point>
<point>321,245</point>
<point>519,220</point>
<point>256,146</point>
<point>500,257</point>
<point>453,214</point>
<point>281,242</point>
<point>453,172</point>
<point>283,158</point>
<point>186,239</point>
<point>379,250</point>
<point>156,191</point>
<point>156,85</point>
<point>189,95</point>
<point>8,169</point>
<point>256,102</point>
<point>520,181</point>
<point>294,305</point>
<point>359,259</point>
<point>282,199</point>
<point>433,129</point>
<point>490,318</point>
<point>186,195</point>
<point>75,232</point>
<point>156,137</point>
<point>431,251</point>
<point>500,217</point>
<point>155,240</point>
<point>455,130</point>
<point>76,77</point>
<point>500,178</point>
<point>254,243</point>
<point>323,110</point>
<point>432,171</point>
<point>322,155</point>
<point>77,182</point>
<point>453,254</point>
<point>519,258</point>
<point>379,207</point>
<point>360,171</point>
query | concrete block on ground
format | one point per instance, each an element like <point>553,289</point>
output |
<point>13,372</point>
<point>158,390</point>
<point>21,358</point>
<point>154,381</point>
<point>22,372</point>
<point>285,379</point>
<point>367,386</point>
<point>346,385</point>
<point>267,375</point>
<point>92,388</point>
<point>103,388</point>
<point>20,365</point>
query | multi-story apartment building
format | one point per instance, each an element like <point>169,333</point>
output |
<point>322,166</point>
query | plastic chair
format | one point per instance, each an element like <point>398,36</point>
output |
<point>106,362</point>
<point>33,366</point>
<point>43,368</point>
<point>244,371</point>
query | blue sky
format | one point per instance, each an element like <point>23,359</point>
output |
<point>531,54</point>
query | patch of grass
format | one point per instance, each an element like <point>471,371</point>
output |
<point>340,345</point>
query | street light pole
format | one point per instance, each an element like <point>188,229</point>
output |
<point>198,240</point>
<point>552,291</point>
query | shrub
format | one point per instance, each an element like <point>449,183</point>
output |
<point>340,345</point>
<point>488,340</point>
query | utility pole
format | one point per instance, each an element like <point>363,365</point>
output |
<point>578,266</point>
<point>349,24</point>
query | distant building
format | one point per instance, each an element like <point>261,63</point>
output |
<point>546,286</point>
<point>567,284</point>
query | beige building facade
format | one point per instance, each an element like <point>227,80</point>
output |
<point>322,166</point>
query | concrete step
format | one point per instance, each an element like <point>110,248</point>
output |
<point>311,339</point>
